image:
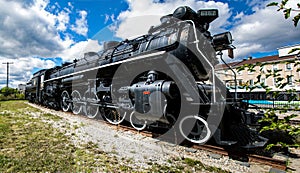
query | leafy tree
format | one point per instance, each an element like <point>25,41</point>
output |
<point>7,93</point>
<point>284,134</point>
<point>282,6</point>
<point>289,133</point>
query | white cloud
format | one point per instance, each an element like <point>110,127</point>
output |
<point>77,50</point>
<point>20,70</point>
<point>239,16</point>
<point>136,26</point>
<point>112,17</point>
<point>263,31</point>
<point>70,5</point>
<point>81,26</point>
<point>106,18</point>
<point>28,30</point>
<point>144,13</point>
<point>253,3</point>
<point>109,17</point>
<point>31,29</point>
<point>63,20</point>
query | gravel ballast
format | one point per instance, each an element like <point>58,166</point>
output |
<point>141,151</point>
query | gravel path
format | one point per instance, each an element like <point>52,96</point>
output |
<point>142,151</point>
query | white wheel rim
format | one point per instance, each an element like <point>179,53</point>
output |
<point>97,109</point>
<point>65,96</point>
<point>78,98</point>
<point>134,126</point>
<point>208,133</point>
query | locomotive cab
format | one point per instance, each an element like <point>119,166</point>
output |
<point>35,86</point>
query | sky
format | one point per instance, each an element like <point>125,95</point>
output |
<point>37,34</point>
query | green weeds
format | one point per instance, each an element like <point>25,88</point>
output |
<point>29,145</point>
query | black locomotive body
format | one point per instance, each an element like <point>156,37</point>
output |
<point>162,79</point>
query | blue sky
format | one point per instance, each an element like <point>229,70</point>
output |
<point>37,34</point>
<point>97,11</point>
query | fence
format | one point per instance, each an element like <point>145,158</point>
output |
<point>275,104</point>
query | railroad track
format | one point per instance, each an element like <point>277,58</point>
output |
<point>274,163</point>
<point>234,154</point>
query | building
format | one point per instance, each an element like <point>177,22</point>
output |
<point>21,88</point>
<point>283,64</point>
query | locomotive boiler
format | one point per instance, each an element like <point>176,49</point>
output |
<point>163,79</point>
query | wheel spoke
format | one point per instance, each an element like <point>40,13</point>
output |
<point>91,107</point>
<point>114,116</point>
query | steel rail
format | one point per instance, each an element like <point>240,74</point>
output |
<point>275,163</point>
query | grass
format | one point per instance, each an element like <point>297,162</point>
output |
<point>49,116</point>
<point>29,144</point>
<point>184,165</point>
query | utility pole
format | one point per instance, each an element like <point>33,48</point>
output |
<point>7,77</point>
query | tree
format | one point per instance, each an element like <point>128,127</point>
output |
<point>281,131</point>
<point>7,93</point>
<point>271,121</point>
<point>282,6</point>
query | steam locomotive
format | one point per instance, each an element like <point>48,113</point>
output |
<point>163,79</point>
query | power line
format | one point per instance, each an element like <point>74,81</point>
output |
<point>7,74</point>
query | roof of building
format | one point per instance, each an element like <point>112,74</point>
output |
<point>289,46</point>
<point>256,60</point>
